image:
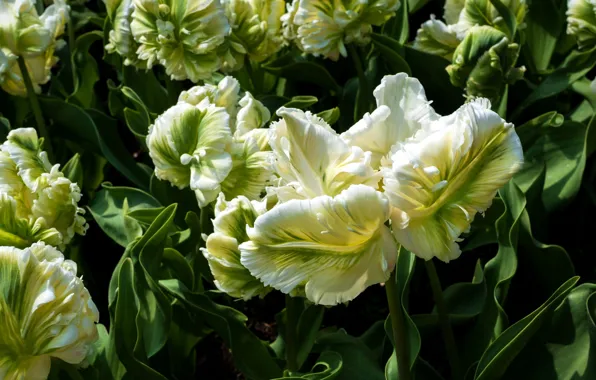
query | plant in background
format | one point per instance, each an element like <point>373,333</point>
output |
<point>37,201</point>
<point>324,28</point>
<point>45,310</point>
<point>479,41</point>
<point>581,22</point>
<point>29,40</point>
<point>182,36</point>
<point>291,178</point>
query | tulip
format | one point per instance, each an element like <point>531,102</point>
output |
<point>45,311</point>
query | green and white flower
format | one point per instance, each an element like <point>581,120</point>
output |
<point>581,21</point>
<point>256,30</point>
<point>38,201</point>
<point>183,36</point>
<point>222,252</point>
<point>121,40</point>
<point>311,159</point>
<point>45,312</point>
<point>189,146</point>
<point>325,27</point>
<point>330,248</point>
<point>402,111</point>
<point>34,37</point>
<point>437,184</point>
<point>484,63</point>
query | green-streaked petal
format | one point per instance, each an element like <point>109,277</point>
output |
<point>333,247</point>
<point>222,252</point>
<point>120,36</point>
<point>438,184</point>
<point>250,172</point>
<point>45,311</point>
<point>581,21</point>
<point>402,111</point>
<point>312,157</point>
<point>434,37</point>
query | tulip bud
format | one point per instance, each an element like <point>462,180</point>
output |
<point>120,36</point>
<point>484,63</point>
<point>45,311</point>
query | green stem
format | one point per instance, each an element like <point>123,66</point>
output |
<point>446,330</point>
<point>291,333</point>
<point>398,325</point>
<point>363,90</point>
<point>41,126</point>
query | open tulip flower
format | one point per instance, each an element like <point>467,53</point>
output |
<point>45,312</point>
<point>37,202</point>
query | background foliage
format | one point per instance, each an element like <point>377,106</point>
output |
<point>515,300</point>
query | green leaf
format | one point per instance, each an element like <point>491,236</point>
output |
<point>250,354</point>
<point>109,211</point>
<point>390,51</point>
<point>398,27</point>
<point>86,69</point>
<point>562,150</point>
<point>4,128</point>
<point>124,325</point>
<point>406,262</point>
<point>545,21</point>
<point>498,273</point>
<point>464,301</point>
<point>139,119</point>
<point>563,350</point>
<point>97,129</point>
<point>73,170</point>
<point>299,69</point>
<point>575,66</point>
<point>308,327</point>
<point>302,102</point>
<point>327,367</point>
<point>148,88</point>
<point>502,351</point>
<point>330,116</point>
<point>415,5</point>
<point>359,361</point>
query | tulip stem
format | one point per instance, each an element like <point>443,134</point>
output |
<point>447,331</point>
<point>363,90</point>
<point>398,326</point>
<point>292,333</point>
<point>41,126</point>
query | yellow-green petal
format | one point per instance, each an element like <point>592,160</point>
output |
<point>581,21</point>
<point>332,247</point>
